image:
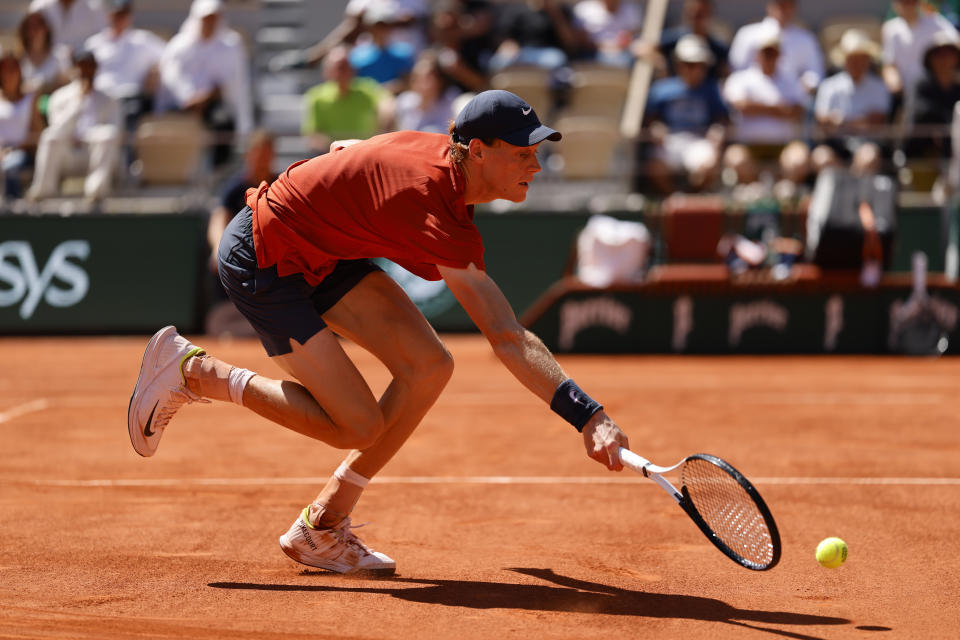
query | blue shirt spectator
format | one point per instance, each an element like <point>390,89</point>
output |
<point>686,108</point>
<point>383,64</point>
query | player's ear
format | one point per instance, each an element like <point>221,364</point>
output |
<point>476,149</point>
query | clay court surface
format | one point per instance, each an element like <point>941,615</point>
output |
<point>500,526</point>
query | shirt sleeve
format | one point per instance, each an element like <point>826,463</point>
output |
<point>734,89</point>
<point>886,34</point>
<point>739,56</point>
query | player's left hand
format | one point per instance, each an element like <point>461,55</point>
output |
<point>603,439</point>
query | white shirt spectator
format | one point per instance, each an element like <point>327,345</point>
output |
<point>800,55</point>
<point>124,61</point>
<point>604,27</point>
<point>69,111</point>
<point>904,46</point>
<point>83,136</point>
<point>755,86</point>
<point>191,65</point>
<point>72,26</point>
<point>51,73</point>
<point>15,120</point>
<point>838,95</point>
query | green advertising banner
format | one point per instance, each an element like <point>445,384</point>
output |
<point>638,320</point>
<point>100,273</point>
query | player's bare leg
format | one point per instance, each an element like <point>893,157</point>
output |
<point>343,412</point>
<point>378,316</point>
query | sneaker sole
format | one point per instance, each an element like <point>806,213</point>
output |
<point>133,428</point>
<point>296,556</point>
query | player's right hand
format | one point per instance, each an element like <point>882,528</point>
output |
<point>603,439</point>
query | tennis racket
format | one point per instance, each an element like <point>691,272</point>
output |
<point>723,503</point>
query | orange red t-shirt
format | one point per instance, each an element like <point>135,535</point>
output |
<point>395,196</point>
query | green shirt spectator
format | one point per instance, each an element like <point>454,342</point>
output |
<point>344,107</point>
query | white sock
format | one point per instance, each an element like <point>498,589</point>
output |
<point>346,474</point>
<point>236,382</point>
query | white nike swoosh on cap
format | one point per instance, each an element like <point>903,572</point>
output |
<point>526,111</point>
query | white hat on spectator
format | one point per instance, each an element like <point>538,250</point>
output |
<point>942,39</point>
<point>693,49</point>
<point>204,8</point>
<point>769,37</point>
<point>385,11</point>
<point>854,41</point>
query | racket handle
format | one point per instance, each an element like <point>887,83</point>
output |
<point>633,461</point>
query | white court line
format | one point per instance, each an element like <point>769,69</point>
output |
<point>28,407</point>
<point>467,480</point>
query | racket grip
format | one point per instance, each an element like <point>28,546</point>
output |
<point>633,461</point>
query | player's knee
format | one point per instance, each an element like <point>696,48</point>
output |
<point>364,432</point>
<point>435,366</point>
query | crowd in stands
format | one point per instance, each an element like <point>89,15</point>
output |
<point>84,77</point>
<point>763,101</point>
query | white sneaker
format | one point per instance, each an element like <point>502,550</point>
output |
<point>336,549</point>
<point>161,389</point>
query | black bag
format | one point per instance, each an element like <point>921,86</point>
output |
<point>835,234</point>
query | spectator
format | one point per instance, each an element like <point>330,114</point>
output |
<point>20,124</point>
<point>257,168</point>
<point>378,57</point>
<point>697,15</point>
<point>460,32</point>
<point>538,33</point>
<point>612,25</point>
<point>428,104</point>
<point>905,39</point>
<point>409,28</point>
<point>687,119</point>
<point>768,107</point>
<point>343,107</point>
<point>127,60</point>
<point>853,105</point>
<point>45,65</point>
<point>204,70</point>
<point>72,21</point>
<point>223,317</point>
<point>410,19</point>
<point>796,172</point>
<point>83,133</point>
<point>937,93</point>
<point>800,57</point>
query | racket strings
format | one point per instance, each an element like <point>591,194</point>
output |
<point>729,510</point>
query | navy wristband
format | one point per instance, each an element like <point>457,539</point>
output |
<point>573,405</point>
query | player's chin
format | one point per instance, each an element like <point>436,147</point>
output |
<point>519,194</point>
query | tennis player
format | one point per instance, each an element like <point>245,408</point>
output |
<point>296,262</point>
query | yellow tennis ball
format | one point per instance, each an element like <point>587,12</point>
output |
<point>831,553</point>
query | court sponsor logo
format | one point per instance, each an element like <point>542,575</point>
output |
<point>763,313</point>
<point>61,282</point>
<point>575,316</point>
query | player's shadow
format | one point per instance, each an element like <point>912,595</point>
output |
<point>569,594</point>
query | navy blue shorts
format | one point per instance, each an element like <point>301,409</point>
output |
<point>280,308</point>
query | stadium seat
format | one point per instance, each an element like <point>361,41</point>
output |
<point>530,83</point>
<point>168,148</point>
<point>598,91</point>
<point>588,147</point>
<point>692,226</point>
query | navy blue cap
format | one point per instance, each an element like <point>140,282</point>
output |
<point>504,115</point>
